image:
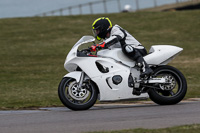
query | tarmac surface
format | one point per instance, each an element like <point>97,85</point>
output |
<point>100,117</point>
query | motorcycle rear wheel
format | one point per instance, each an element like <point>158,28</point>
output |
<point>171,93</point>
<point>76,98</point>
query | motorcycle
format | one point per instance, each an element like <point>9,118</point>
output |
<point>109,75</point>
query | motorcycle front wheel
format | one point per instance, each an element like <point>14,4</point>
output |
<point>172,92</point>
<point>75,97</point>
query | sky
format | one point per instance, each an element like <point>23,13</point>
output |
<point>24,8</point>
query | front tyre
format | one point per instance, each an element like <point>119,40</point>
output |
<point>174,91</point>
<point>76,98</point>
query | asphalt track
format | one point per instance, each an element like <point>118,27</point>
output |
<point>100,117</point>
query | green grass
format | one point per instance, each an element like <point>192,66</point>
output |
<point>33,50</point>
<point>179,129</point>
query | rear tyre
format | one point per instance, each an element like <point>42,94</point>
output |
<point>171,93</point>
<point>76,98</point>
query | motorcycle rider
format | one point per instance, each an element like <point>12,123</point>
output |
<point>115,36</point>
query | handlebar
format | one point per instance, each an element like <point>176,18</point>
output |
<point>86,52</point>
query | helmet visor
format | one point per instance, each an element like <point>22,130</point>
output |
<point>96,32</point>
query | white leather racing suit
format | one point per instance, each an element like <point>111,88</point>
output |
<point>130,47</point>
<point>119,37</point>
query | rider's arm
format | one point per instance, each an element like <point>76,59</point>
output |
<point>116,35</point>
<point>112,40</point>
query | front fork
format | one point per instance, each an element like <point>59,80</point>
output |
<point>81,79</point>
<point>79,76</point>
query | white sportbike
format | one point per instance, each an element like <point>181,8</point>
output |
<point>109,75</point>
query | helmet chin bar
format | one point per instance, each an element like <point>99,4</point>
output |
<point>98,38</point>
<point>95,35</point>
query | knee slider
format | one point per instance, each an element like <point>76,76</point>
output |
<point>139,64</point>
<point>129,49</point>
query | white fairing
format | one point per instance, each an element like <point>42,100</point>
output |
<point>162,54</point>
<point>158,55</point>
<point>117,64</point>
<point>116,54</point>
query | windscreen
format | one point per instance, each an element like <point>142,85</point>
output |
<point>85,39</point>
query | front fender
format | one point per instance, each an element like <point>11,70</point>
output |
<point>75,75</point>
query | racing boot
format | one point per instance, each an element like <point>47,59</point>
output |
<point>146,71</point>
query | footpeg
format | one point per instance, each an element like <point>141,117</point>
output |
<point>136,88</point>
<point>136,92</point>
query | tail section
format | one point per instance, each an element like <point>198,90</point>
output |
<point>162,54</point>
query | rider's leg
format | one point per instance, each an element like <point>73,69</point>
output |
<point>137,55</point>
